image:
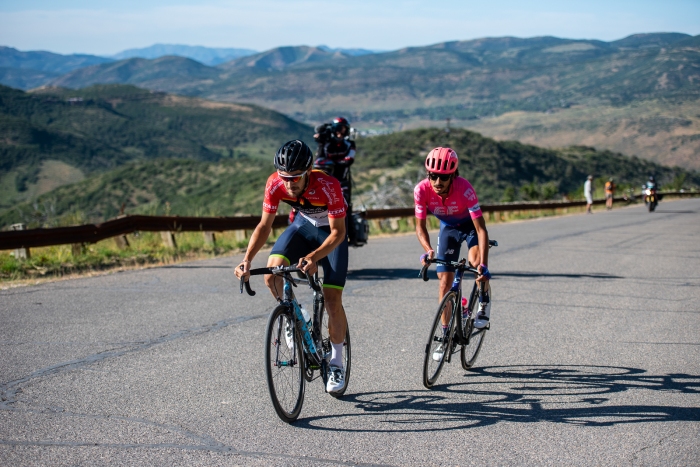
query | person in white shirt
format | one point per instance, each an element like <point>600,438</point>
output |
<point>588,193</point>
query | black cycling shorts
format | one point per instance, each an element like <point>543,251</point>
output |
<point>301,238</point>
<point>450,241</point>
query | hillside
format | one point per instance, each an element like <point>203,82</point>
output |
<point>55,136</point>
<point>386,170</point>
<point>470,82</point>
<point>501,170</point>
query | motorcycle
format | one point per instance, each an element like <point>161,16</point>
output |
<point>358,226</point>
<point>651,198</point>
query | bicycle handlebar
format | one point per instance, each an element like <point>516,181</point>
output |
<point>278,270</point>
<point>460,264</point>
<point>456,264</point>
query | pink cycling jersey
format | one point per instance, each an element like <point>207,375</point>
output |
<point>459,205</point>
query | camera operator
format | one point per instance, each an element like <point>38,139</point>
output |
<point>336,153</point>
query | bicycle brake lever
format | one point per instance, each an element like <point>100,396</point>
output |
<point>312,283</point>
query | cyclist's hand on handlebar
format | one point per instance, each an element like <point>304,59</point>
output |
<point>308,264</point>
<point>242,271</point>
<point>484,273</point>
<point>425,256</point>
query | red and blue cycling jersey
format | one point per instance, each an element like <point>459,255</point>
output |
<point>459,206</point>
<point>322,199</point>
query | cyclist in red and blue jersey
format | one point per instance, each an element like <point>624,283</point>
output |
<point>453,201</point>
<point>317,236</point>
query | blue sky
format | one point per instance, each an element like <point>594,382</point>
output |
<point>103,28</point>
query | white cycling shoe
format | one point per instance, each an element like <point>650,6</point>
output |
<point>483,315</point>
<point>439,353</point>
<point>336,379</point>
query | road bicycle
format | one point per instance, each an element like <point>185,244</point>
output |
<point>294,347</point>
<point>445,341</point>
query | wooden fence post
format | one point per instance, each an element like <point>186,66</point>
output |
<point>209,238</point>
<point>20,253</point>
<point>77,249</point>
<point>168,239</point>
<point>240,235</point>
<point>122,242</point>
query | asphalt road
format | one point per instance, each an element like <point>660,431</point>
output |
<point>593,358</point>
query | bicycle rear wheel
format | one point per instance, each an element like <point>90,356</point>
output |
<point>347,350</point>
<point>439,344</point>
<point>471,351</point>
<point>284,364</point>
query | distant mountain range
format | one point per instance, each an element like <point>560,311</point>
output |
<point>206,55</point>
<point>27,70</point>
<point>639,95</point>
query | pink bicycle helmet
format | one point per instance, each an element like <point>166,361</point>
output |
<point>441,161</point>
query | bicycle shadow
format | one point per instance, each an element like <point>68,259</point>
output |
<point>408,273</point>
<point>572,395</point>
<point>387,274</point>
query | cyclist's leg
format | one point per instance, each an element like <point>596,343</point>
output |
<point>474,253</point>
<point>448,248</point>
<point>289,247</point>
<point>335,270</point>
<point>484,311</point>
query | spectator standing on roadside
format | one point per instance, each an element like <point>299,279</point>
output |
<point>588,193</point>
<point>609,193</point>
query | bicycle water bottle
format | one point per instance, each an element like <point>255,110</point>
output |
<point>465,307</point>
<point>306,316</point>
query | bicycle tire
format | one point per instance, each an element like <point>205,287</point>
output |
<point>469,353</point>
<point>347,350</point>
<point>285,383</point>
<point>431,367</point>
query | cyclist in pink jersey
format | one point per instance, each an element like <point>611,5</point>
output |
<point>453,201</point>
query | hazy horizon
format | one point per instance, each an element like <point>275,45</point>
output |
<point>80,26</point>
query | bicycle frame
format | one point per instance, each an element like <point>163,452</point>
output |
<point>459,336</point>
<point>310,346</point>
<point>291,302</point>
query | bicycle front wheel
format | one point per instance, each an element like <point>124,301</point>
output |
<point>439,345</point>
<point>347,349</point>
<point>284,364</point>
<point>476,336</point>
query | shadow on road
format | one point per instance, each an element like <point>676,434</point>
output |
<point>574,395</point>
<point>194,266</point>
<point>387,274</point>
<point>407,273</point>
<point>569,276</point>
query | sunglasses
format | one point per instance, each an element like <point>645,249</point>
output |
<point>291,178</point>
<point>442,177</point>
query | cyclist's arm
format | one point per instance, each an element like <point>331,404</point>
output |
<point>483,235</point>
<point>257,241</point>
<point>336,237</point>
<point>424,237</point>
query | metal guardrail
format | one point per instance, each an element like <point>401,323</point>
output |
<point>92,233</point>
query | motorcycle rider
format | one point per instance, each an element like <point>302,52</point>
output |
<point>651,183</point>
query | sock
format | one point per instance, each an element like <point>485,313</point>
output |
<point>337,355</point>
